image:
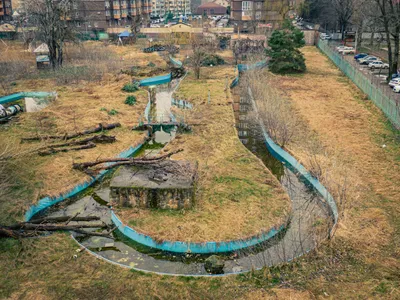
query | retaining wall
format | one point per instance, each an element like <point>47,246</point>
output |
<point>46,202</point>
<point>156,80</point>
<point>19,96</point>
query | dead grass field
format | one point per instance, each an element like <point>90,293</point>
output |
<point>361,262</point>
<point>351,133</point>
<point>78,107</point>
<point>237,196</point>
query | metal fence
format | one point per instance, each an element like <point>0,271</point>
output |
<point>371,84</point>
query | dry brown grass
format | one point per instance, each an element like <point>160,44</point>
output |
<point>78,107</point>
<point>238,197</point>
<point>351,133</point>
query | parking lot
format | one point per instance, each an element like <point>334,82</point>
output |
<point>377,77</point>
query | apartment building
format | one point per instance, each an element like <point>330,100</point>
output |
<point>5,10</point>
<point>101,14</point>
<point>176,7</point>
<point>248,14</point>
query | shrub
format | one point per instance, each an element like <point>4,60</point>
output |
<point>212,59</point>
<point>130,88</point>
<point>113,112</point>
<point>130,100</point>
<point>151,64</point>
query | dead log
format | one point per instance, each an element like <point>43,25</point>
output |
<point>100,139</point>
<point>52,150</point>
<point>122,161</point>
<point>54,220</point>
<point>52,227</point>
<point>16,234</point>
<point>98,128</point>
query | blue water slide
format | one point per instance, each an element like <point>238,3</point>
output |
<point>156,80</point>
<point>19,96</point>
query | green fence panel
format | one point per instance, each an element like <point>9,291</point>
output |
<point>388,105</point>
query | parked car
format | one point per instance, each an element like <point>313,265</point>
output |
<point>338,48</point>
<point>365,57</point>
<point>396,88</point>
<point>325,36</point>
<point>378,65</point>
<point>394,82</point>
<point>368,60</point>
<point>395,75</point>
<point>347,50</point>
<point>360,55</point>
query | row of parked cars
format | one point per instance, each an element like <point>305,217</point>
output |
<point>374,62</point>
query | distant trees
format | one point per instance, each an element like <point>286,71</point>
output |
<point>284,50</point>
<point>344,10</point>
<point>50,19</point>
<point>388,16</point>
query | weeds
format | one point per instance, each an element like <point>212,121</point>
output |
<point>130,100</point>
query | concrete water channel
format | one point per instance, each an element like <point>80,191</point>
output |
<point>309,224</point>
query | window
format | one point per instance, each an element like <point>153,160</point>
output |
<point>116,3</point>
<point>107,13</point>
<point>244,25</point>
<point>75,5</point>
<point>243,117</point>
<point>77,14</point>
<point>116,12</point>
<point>242,133</point>
<point>243,125</point>
<point>107,4</point>
<point>259,5</point>
<point>211,11</point>
<point>258,15</point>
<point>247,5</point>
<point>95,24</point>
<point>78,24</point>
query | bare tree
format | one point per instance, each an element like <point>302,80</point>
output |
<point>201,46</point>
<point>344,11</point>
<point>389,17</point>
<point>50,18</point>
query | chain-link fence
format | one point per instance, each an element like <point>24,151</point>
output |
<point>371,84</point>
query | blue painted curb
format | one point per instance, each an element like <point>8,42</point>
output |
<point>19,96</point>
<point>47,202</point>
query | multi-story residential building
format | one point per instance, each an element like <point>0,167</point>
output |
<point>100,14</point>
<point>248,13</point>
<point>5,10</point>
<point>176,7</point>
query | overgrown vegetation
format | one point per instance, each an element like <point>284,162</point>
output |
<point>130,88</point>
<point>284,50</point>
<point>130,100</point>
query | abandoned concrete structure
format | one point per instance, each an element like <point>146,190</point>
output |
<point>167,185</point>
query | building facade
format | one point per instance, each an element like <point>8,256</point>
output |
<point>249,14</point>
<point>5,10</point>
<point>176,7</point>
<point>89,15</point>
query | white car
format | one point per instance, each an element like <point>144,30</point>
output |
<point>396,89</point>
<point>325,36</point>
<point>368,59</point>
<point>347,50</point>
<point>378,65</point>
<point>394,82</point>
<point>338,48</point>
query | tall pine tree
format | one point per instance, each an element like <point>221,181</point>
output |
<point>284,50</point>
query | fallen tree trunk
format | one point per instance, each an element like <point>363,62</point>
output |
<point>121,161</point>
<point>54,220</point>
<point>52,150</point>
<point>16,234</point>
<point>99,128</point>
